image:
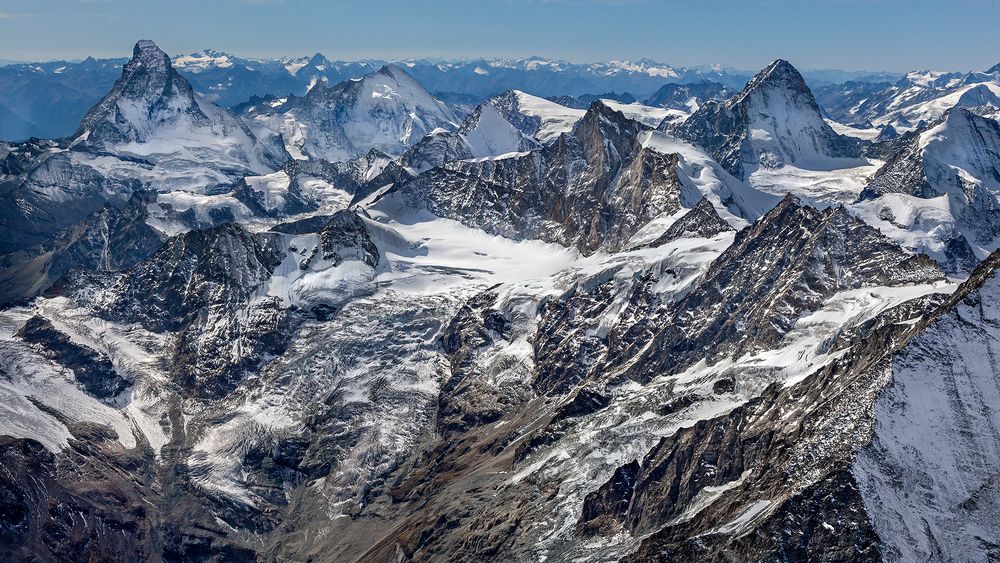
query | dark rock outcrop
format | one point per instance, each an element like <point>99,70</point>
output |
<point>593,188</point>
<point>91,368</point>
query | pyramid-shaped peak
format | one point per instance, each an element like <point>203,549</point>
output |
<point>149,84</point>
<point>318,59</point>
<point>394,71</point>
<point>146,55</point>
<point>780,66</point>
<point>779,71</point>
<point>147,48</point>
<point>779,75</point>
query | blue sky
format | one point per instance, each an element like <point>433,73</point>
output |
<point>893,35</point>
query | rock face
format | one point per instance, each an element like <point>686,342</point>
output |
<point>592,188</point>
<point>774,121</point>
<point>934,452</point>
<point>386,110</point>
<point>905,390</point>
<point>705,493</point>
<point>34,201</point>
<point>787,263</point>
<point>194,287</point>
<point>109,240</point>
<point>89,503</point>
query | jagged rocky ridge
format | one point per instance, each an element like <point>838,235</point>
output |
<point>831,485</point>
<point>592,188</point>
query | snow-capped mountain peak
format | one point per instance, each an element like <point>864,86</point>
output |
<point>774,121</point>
<point>150,93</point>
<point>153,113</point>
<point>940,192</point>
<point>204,60</point>
<point>386,109</point>
<point>780,74</point>
<point>978,96</point>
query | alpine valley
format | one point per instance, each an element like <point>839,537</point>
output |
<point>492,310</point>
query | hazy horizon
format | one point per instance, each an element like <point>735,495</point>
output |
<point>851,35</point>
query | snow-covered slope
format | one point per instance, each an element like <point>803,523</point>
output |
<point>970,96</point>
<point>920,97</point>
<point>483,134</point>
<point>536,117</point>
<point>927,476</point>
<point>940,193</point>
<point>386,110</point>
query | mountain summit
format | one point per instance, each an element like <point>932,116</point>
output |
<point>387,110</point>
<point>153,112</point>
<point>774,121</point>
<point>149,94</point>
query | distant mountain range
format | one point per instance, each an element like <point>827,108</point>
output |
<point>47,99</point>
